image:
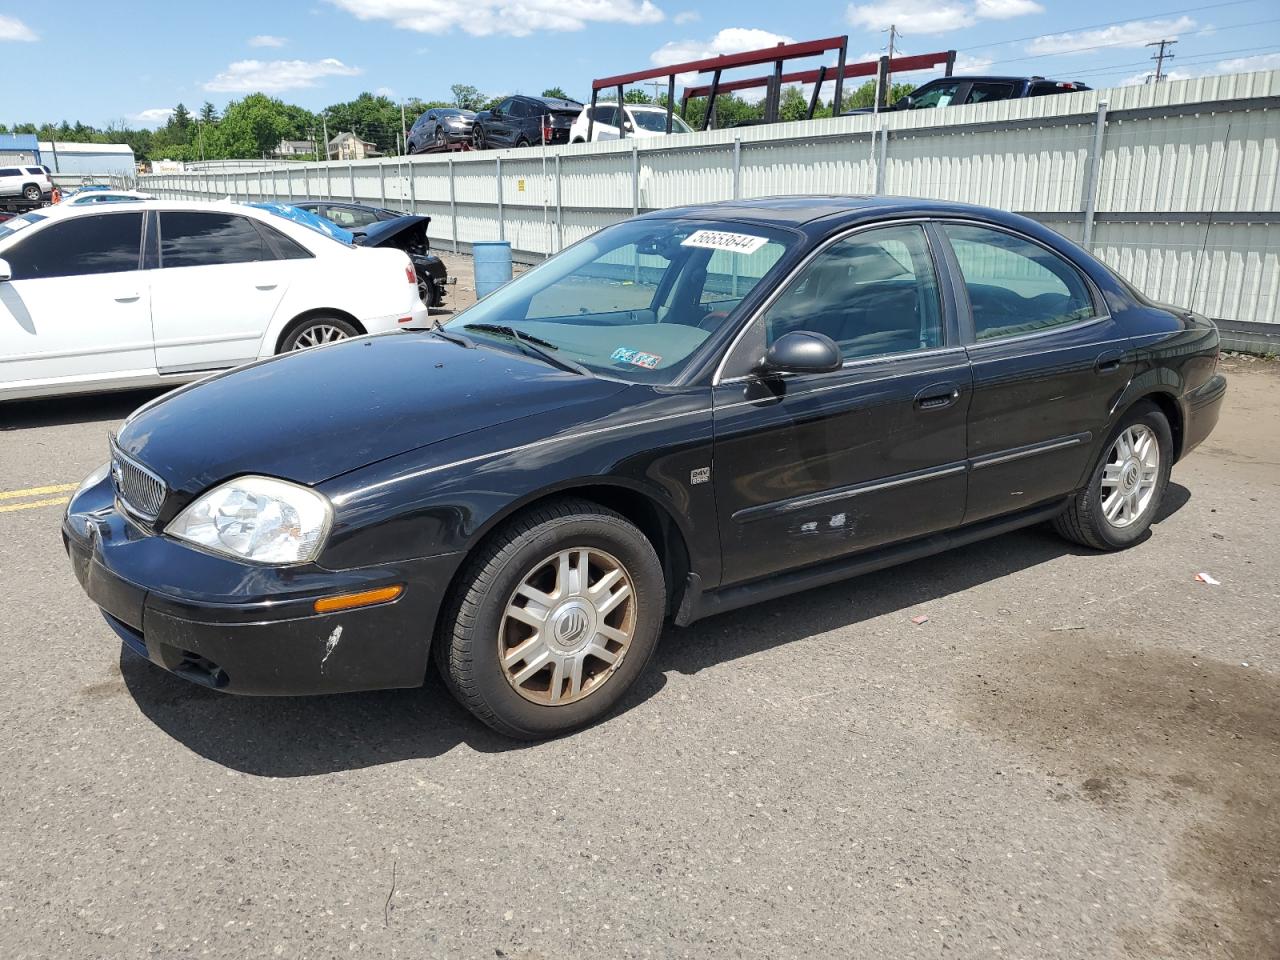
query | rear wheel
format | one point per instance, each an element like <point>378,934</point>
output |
<point>522,142</point>
<point>32,191</point>
<point>1127,485</point>
<point>477,138</point>
<point>318,331</point>
<point>553,620</point>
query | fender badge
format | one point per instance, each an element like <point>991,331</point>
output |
<point>701,475</point>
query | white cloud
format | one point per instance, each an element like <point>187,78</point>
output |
<point>155,117</point>
<point>267,40</point>
<point>1264,61</point>
<point>911,16</point>
<point>514,17</point>
<point>968,64</point>
<point>686,16</point>
<point>728,40</point>
<point>1135,34</point>
<point>273,76</point>
<point>11,28</point>
<point>385,92</point>
<point>1005,9</point>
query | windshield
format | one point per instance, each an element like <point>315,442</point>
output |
<point>13,225</point>
<point>634,301</point>
<point>656,121</point>
<point>307,219</point>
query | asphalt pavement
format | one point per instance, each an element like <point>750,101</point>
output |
<point>1076,755</point>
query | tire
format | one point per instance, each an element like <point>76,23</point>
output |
<point>477,138</point>
<point>526,554</point>
<point>522,142</point>
<point>1099,516</point>
<point>315,331</point>
<point>32,191</point>
<point>427,292</point>
<point>439,137</point>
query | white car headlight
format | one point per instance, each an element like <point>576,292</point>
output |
<point>260,519</point>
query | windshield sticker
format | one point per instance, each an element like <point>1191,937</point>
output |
<point>723,240</point>
<point>637,358</point>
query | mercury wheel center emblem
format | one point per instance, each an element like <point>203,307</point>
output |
<point>571,625</point>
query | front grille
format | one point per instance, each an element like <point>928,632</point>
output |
<point>140,490</point>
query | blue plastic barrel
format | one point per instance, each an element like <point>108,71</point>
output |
<point>493,265</point>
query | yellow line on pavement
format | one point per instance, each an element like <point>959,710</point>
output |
<point>37,491</point>
<point>52,501</point>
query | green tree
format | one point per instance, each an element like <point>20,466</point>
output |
<point>254,126</point>
<point>466,97</point>
<point>864,96</point>
<point>180,119</point>
<point>208,113</point>
<point>730,109</point>
<point>636,95</point>
<point>556,92</point>
<point>793,106</point>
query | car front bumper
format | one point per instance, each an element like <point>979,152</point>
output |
<point>249,629</point>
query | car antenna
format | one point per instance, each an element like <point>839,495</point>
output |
<point>1208,224</point>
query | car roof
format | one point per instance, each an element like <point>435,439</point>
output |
<point>800,210</point>
<point>1002,78</point>
<point>554,102</point>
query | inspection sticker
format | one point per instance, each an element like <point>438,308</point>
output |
<point>637,358</point>
<point>724,240</point>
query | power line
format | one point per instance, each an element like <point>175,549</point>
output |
<point>1113,23</point>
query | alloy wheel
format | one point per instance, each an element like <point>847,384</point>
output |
<point>318,334</point>
<point>567,626</point>
<point>1130,475</point>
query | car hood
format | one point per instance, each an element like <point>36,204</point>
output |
<point>384,231</point>
<point>317,414</point>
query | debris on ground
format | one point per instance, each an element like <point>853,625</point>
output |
<point>1203,577</point>
<point>920,619</point>
<point>1070,626</point>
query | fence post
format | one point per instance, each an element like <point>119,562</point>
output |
<point>453,206</point>
<point>413,189</point>
<point>351,180</point>
<point>502,223</point>
<point>382,184</point>
<point>882,159</point>
<point>635,175</point>
<point>559,210</point>
<point>1094,176</point>
<point>737,167</point>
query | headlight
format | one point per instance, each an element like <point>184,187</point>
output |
<point>258,519</point>
<point>93,479</point>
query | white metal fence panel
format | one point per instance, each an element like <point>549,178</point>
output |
<point>1174,185</point>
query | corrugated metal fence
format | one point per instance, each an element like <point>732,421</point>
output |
<point>1174,184</point>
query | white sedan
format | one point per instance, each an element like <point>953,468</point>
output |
<point>119,295</point>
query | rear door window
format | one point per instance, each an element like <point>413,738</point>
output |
<point>1016,286</point>
<point>189,239</point>
<point>982,91</point>
<point>81,246</point>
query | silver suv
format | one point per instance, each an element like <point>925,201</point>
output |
<point>30,183</point>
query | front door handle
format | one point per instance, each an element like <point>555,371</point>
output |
<point>126,297</point>
<point>937,396</point>
<point>1108,361</point>
<point>266,286</point>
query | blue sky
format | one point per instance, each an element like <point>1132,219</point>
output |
<point>84,63</point>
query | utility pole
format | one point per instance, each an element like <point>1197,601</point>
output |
<point>325,120</point>
<point>657,85</point>
<point>893,35</point>
<point>1161,55</point>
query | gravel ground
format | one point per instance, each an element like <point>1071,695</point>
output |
<point>1075,756</point>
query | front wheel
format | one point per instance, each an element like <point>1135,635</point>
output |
<point>553,619</point>
<point>316,332</point>
<point>477,139</point>
<point>1127,484</point>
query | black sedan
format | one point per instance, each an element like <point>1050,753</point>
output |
<point>440,126</point>
<point>685,413</point>
<point>380,227</point>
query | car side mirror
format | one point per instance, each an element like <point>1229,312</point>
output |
<point>6,272</point>
<point>801,352</point>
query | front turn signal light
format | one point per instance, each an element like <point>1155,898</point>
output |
<point>365,598</point>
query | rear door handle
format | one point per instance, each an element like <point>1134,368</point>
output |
<point>1108,361</point>
<point>266,286</point>
<point>937,396</point>
<point>126,297</point>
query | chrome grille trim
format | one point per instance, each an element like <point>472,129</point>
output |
<point>140,491</point>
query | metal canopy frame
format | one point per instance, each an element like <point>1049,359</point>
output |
<point>716,66</point>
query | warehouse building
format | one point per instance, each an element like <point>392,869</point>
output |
<point>19,148</point>
<point>71,162</point>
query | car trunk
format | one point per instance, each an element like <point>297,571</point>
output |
<point>558,122</point>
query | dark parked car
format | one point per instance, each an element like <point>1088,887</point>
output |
<point>440,126</point>
<point>380,227</point>
<point>523,121</point>
<point>953,91</point>
<point>691,411</point>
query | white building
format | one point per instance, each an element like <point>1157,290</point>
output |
<point>96,160</point>
<point>347,146</point>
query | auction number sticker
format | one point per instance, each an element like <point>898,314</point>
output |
<point>724,240</point>
<point>637,358</point>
